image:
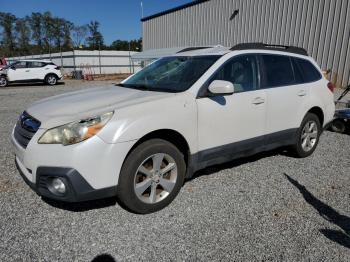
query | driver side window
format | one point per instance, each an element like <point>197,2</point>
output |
<point>241,71</point>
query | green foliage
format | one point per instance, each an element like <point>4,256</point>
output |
<point>41,33</point>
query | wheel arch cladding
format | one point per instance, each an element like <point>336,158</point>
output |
<point>51,74</point>
<point>318,112</point>
<point>169,135</point>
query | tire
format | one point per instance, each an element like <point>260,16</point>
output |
<point>338,126</point>
<point>51,79</point>
<point>308,136</point>
<point>140,186</point>
<point>3,81</point>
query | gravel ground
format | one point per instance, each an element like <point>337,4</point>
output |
<point>270,207</point>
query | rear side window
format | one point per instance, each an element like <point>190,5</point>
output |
<point>35,64</point>
<point>278,70</point>
<point>307,70</point>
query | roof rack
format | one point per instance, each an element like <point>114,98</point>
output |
<point>187,49</point>
<point>283,48</point>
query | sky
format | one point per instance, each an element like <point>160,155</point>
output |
<point>119,19</point>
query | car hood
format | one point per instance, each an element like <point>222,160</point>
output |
<point>68,107</point>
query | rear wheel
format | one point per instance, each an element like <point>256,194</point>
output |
<point>307,136</point>
<point>151,176</point>
<point>51,80</point>
<point>3,81</point>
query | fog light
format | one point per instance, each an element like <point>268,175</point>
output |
<point>58,186</point>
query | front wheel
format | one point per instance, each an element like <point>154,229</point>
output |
<point>151,176</point>
<point>3,81</point>
<point>51,80</point>
<point>307,136</point>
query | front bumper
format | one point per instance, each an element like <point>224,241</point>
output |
<point>77,188</point>
<point>89,169</point>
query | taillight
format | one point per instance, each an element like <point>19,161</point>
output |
<point>331,86</point>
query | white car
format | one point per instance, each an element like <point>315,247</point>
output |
<point>30,71</point>
<point>140,139</point>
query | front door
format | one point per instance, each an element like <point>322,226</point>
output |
<point>232,125</point>
<point>18,72</point>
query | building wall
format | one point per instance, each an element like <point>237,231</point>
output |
<point>112,62</point>
<point>320,26</point>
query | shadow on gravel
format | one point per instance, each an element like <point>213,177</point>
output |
<point>81,206</point>
<point>341,237</point>
<point>104,258</point>
<point>32,84</point>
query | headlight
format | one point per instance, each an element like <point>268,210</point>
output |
<point>75,132</point>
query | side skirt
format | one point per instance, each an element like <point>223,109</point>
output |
<point>249,147</point>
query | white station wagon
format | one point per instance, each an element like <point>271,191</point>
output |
<point>141,139</point>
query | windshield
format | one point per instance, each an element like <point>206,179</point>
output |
<point>171,74</point>
<point>10,64</point>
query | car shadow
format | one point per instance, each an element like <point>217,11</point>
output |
<point>104,258</point>
<point>342,237</point>
<point>33,84</point>
<point>81,206</point>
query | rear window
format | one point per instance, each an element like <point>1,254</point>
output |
<point>278,70</point>
<point>307,70</point>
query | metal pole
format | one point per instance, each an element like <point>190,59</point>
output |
<point>74,60</point>
<point>99,56</point>
<point>61,57</point>
<point>129,59</point>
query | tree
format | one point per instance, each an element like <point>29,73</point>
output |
<point>35,23</point>
<point>79,34</point>
<point>23,35</point>
<point>120,45</point>
<point>48,30</point>
<point>95,40</point>
<point>67,40</point>
<point>123,45</point>
<point>7,22</point>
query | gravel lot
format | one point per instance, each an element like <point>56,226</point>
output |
<point>270,207</point>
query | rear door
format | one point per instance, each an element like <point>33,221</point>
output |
<point>286,96</point>
<point>36,70</point>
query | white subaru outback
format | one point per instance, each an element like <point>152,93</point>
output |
<point>24,71</point>
<point>141,139</point>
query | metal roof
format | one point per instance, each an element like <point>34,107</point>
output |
<point>173,9</point>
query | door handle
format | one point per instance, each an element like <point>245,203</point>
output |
<point>302,93</point>
<point>258,101</point>
<point>27,70</point>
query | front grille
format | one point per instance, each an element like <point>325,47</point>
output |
<point>25,129</point>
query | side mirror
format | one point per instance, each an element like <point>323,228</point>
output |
<point>221,88</point>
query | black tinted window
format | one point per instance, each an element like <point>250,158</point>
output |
<point>241,72</point>
<point>278,70</point>
<point>307,70</point>
<point>35,64</point>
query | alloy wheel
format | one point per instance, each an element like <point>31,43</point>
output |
<point>3,82</point>
<point>51,80</point>
<point>155,178</point>
<point>309,136</point>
